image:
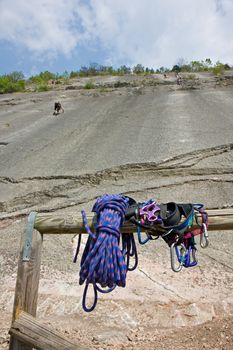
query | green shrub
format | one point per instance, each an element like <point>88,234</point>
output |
<point>189,76</point>
<point>74,74</point>
<point>138,69</point>
<point>89,85</point>
<point>4,85</point>
<point>20,85</point>
<point>218,69</point>
<point>15,76</point>
<point>186,68</point>
<point>8,86</point>
<point>42,87</point>
<point>176,68</point>
<point>44,76</point>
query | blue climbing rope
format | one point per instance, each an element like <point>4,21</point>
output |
<point>104,264</point>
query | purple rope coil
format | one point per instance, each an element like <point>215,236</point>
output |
<point>103,261</point>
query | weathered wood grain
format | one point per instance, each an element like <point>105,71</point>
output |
<point>27,284</point>
<point>28,330</point>
<point>219,219</point>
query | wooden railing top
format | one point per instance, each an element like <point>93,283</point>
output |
<point>219,219</point>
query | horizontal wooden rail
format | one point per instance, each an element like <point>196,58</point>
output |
<point>31,332</point>
<point>219,219</point>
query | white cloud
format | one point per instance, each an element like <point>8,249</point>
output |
<point>151,32</point>
<point>156,32</point>
<point>44,27</point>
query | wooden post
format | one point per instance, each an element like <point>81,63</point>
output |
<point>35,334</point>
<point>27,284</point>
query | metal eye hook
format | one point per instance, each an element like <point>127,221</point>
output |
<point>204,239</point>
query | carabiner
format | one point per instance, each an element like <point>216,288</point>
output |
<point>204,239</point>
<point>198,206</point>
<point>177,255</point>
<point>140,237</point>
<point>190,261</point>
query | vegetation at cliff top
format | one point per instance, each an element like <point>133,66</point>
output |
<point>12,82</point>
<point>16,82</point>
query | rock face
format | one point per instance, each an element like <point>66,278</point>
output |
<point>145,138</point>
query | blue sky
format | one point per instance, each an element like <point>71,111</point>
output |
<point>59,35</point>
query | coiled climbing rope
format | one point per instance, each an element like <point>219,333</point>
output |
<point>104,262</point>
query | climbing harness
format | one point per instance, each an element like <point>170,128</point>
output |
<point>173,222</point>
<point>107,254</point>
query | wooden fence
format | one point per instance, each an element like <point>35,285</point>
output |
<point>26,331</point>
